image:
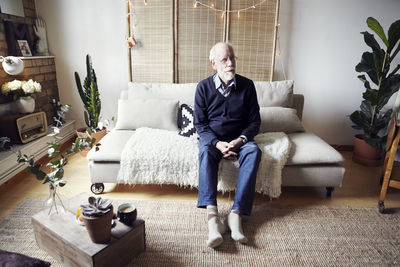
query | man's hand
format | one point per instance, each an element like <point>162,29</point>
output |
<point>236,144</point>
<point>226,150</point>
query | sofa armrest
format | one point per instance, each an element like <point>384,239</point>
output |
<point>298,104</point>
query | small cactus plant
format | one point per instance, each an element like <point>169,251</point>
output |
<point>96,207</point>
<point>90,95</point>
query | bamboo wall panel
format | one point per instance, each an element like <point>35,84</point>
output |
<point>253,36</point>
<point>198,30</point>
<point>174,38</point>
<point>152,27</point>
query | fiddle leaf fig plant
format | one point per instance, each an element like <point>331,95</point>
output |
<point>380,82</point>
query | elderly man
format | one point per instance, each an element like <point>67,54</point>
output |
<point>226,116</point>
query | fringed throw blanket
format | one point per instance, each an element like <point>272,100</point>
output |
<point>154,156</point>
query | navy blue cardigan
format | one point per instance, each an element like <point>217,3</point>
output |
<point>219,118</point>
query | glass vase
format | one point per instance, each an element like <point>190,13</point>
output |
<point>54,203</point>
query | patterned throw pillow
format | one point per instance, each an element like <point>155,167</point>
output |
<point>187,121</point>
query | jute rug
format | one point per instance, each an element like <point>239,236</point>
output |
<point>176,233</point>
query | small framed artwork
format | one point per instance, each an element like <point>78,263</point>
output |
<point>24,47</point>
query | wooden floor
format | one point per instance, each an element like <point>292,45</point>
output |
<point>360,188</point>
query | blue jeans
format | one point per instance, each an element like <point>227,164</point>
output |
<point>249,157</point>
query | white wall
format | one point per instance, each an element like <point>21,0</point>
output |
<point>79,27</point>
<point>320,45</point>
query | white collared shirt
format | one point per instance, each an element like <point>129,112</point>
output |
<point>220,87</point>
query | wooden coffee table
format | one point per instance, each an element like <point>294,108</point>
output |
<point>70,244</point>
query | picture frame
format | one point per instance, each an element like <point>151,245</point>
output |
<point>24,48</point>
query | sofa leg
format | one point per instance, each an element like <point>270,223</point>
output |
<point>329,190</point>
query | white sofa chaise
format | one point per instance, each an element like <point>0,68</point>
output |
<point>312,162</point>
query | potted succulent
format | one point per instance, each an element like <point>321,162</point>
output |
<point>97,215</point>
<point>90,97</point>
<point>380,82</point>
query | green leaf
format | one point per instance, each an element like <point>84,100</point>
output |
<point>394,35</point>
<point>367,65</point>
<point>374,25</point>
<point>371,42</point>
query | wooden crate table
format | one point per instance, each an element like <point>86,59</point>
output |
<point>70,244</point>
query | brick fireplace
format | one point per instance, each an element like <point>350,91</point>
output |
<point>38,68</point>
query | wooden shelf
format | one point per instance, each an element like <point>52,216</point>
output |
<point>9,166</point>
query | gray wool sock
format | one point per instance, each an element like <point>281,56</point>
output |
<point>215,227</point>
<point>234,222</point>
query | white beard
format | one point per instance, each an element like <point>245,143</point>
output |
<point>227,76</point>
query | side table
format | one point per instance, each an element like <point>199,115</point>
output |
<point>70,244</point>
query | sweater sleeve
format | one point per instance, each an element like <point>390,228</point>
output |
<point>201,116</point>
<point>254,119</point>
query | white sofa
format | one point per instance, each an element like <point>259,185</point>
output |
<point>311,162</point>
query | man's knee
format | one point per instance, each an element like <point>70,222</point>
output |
<point>209,152</point>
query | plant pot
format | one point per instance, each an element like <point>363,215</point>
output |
<point>25,104</point>
<point>365,154</point>
<point>81,132</point>
<point>99,228</point>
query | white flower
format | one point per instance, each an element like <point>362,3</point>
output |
<point>14,85</point>
<point>50,151</point>
<point>38,87</point>
<point>21,87</point>
<point>56,130</point>
<point>4,88</point>
<point>28,87</point>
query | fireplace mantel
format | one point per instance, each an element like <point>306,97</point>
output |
<point>9,166</point>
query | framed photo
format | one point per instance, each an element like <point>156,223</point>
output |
<point>24,47</point>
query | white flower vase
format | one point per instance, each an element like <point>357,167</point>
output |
<point>25,104</point>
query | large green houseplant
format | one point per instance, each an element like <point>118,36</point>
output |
<point>380,82</point>
<point>90,97</point>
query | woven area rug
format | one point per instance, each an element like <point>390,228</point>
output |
<point>176,233</point>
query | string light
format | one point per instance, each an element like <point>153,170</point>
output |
<point>145,2</point>
<point>212,6</point>
<point>195,4</point>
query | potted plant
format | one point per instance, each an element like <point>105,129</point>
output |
<point>58,160</point>
<point>21,92</point>
<point>380,82</point>
<point>97,215</point>
<point>90,97</point>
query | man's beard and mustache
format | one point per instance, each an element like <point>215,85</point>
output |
<point>228,74</point>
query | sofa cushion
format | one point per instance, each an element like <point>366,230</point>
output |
<point>269,94</point>
<point>184,92</point>
<point>154,113</point>
<point>111,146</point>
<point>307,148</point>
<point>279,119</point>
<point>275,94</point>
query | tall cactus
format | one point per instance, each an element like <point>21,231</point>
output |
<point>90,95</point>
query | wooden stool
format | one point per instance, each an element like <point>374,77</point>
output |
<point>390,166</point>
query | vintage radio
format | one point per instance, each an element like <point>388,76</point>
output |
<point>23,128</point>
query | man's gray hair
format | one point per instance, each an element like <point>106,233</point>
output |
<point>212,50</point>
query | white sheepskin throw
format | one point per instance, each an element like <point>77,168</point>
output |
<point>155,156</point>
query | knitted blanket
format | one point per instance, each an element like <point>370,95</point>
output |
<point>155,156</point>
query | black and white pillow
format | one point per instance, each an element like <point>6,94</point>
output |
<point>187,121</point>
